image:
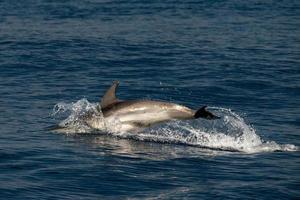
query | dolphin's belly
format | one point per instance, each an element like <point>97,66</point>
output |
<point>134,120</point>
<point>137,121</point>
<point>146,117</point>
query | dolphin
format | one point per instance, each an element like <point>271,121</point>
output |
<point>136,115</point>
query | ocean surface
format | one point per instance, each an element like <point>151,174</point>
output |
<point>240,58</point>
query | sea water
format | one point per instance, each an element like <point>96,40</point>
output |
<point>240,58</point>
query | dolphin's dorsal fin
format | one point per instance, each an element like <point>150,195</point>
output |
<point>110,95</point>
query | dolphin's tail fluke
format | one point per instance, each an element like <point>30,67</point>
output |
<point>203,113</point>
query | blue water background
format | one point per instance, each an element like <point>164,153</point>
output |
<point>242,55</point>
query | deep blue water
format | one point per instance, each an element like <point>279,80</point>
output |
<point>238,55</point>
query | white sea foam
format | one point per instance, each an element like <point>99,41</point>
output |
<point>231,132</point>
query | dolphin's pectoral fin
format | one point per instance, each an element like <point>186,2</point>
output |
<point>110,95</point>
<point>135,126</point>
<point>203,113</point>
<point>140,124</point>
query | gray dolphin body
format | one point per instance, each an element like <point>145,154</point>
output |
<point>139,114</point>
<point>134,115</point>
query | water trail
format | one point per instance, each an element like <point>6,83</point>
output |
<point>231,132</point>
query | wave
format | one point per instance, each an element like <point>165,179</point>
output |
<point>230,133</point>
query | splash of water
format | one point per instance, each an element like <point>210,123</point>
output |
<point>230,133</point>
<point>73,123</point>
